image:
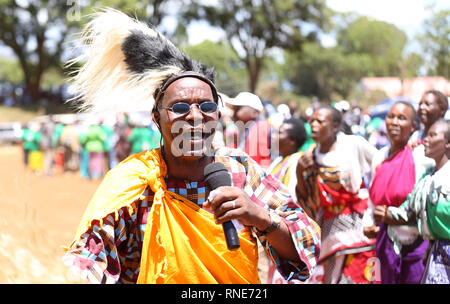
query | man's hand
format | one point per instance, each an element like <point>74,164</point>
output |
<point>228,203</point>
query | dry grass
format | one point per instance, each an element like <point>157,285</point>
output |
<point>28,255</point>
<point>38,214</point>
<point>12,114</point>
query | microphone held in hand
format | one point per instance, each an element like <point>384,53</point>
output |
<point>216,175</point>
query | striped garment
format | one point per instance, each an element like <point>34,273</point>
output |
<point>111,253</point>
<point>284,169</point>
<point>345,249</point>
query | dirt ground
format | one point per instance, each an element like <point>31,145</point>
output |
<point>38,215</point>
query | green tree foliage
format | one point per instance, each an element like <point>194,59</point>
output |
<point>365,47</point>
<point>152,12</point>
<point>324,72</point>
<point>230,70</point>
<point>435,42</point>
<point>381,41</point>
<point>36,32</point>
<point>39,32</point>
<point>10,71</point>
<point>253,27</point>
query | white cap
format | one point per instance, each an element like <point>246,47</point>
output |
<point>342,105</point>
<point>246,99</point>
<point>284,109</point>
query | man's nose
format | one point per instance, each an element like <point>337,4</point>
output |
<point>194,113</point>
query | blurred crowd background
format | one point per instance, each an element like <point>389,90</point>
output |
<point>293,54</point>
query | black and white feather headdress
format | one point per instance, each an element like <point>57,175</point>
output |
<point>128,65</point>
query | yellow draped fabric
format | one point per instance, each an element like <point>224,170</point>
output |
<point>182,243</point>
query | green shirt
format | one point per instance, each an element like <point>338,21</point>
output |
<point>428,206</point>
<point>31,139</point>
<point>57,134</point>
<point>438,215</point>
<point>142,139</point>
<point>94,139</point>
<point>309,141</point>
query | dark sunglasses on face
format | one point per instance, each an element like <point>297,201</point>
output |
<point>181,108</point>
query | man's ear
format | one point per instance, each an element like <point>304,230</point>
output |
<point>336,127</point>
<point>156,117</point>
<point>442,110</point>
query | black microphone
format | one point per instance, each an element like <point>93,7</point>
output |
<point>216,175</point>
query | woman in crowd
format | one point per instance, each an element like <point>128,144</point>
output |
<point>427,208</point>
<point>94,141</point>
<point>291,137</point>
<point>330,186</point>
<point>396,169</point>
<point>432,106</point>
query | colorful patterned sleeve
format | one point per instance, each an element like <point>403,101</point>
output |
<point>268,192</point>
<point>110,253</point>
<point>94,256</point>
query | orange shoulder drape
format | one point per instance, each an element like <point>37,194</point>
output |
<point>182,243</point>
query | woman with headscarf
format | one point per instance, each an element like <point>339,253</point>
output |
<point>396,168</point>
<point>331,189</point>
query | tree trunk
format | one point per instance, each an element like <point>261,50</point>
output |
<point>34,90</point>
<point>254,69</point>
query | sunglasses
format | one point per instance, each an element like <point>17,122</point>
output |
<point>181,108</point>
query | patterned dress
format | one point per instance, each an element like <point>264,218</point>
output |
<point>337,200</point>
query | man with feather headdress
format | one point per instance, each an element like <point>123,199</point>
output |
<point>152,219</point>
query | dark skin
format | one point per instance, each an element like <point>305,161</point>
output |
<point>245,114</point>
<point>430,110</point>
<point>437,146</point>
<point>400,124</point>
<point>191,167</point>
<point>191,91</point>
<point>287,145</point>
<point>323,131</point>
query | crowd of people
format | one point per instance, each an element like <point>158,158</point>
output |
<point>343,180</point>
<point>318,198</point>
<point>337,176</point>
<point>89,146</point>
<point>341,177</point>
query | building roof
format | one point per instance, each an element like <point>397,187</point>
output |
<point>412,88</point>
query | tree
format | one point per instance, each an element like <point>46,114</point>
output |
<point>229,68</point>
<point>324,72</point>
<point>10,71</point>
<point>381,41</point>
<point>152,12</point>
<point>36,32</point>
<point>253,27</point>
<point>435,43</point>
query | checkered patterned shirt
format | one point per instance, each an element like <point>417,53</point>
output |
<point>112,253</point>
